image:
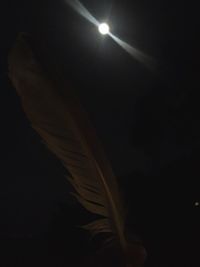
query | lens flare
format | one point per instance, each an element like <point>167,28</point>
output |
<point>104,29</point>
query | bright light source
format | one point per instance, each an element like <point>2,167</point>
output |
<point>104,28</point>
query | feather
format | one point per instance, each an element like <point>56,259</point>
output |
<point>62,123</point>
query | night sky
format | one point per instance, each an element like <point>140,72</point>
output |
<point>146,118</point>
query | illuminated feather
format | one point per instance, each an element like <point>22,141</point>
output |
<point>63,125</point>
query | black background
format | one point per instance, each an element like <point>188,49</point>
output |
<point>147,119</point>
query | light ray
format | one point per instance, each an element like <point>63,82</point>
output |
<point>77,6</point>
<point>137,54</point>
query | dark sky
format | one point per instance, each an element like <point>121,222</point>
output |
<point>147,119</point>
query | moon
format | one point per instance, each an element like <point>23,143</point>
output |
<point>104,28</point>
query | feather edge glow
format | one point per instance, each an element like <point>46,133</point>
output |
<point>104,28</point>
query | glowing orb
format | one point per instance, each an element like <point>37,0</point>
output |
<point>104,28</point>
